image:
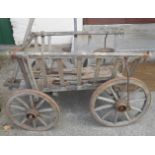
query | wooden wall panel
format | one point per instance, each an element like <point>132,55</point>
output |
<point>105,21</point>
<point>146,73</point>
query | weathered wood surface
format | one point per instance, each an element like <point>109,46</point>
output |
<point>58,55</point>
<point>79,69</point>
<point>74,76</point>
<point>97,69</point>
<point>60,71</point>
<point>76,33</point>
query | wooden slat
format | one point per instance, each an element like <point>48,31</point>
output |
<point>89,42</point>
<point>24,72</point>
<point>97,69</point>
<point>49,43</point>
<point>41,65</point>
<point>60,70</point>
<point>42,44</point>
<point>31,74</point>
<point>36,43</point>
<point>27,73</point>
<point>42,61</point>
<point>79,69</point>
<point>75,36</point>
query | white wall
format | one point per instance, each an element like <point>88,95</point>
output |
<point>19,26</point>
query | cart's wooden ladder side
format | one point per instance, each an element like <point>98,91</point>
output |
<point>29,76</point>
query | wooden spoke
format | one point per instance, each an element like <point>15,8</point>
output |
<point>135,108</point>
<point>18,107</point>
<point>45,110</point>
<point>107,114</point>
<point>103,107</point>
<point>22,102</point>
<point>108,91</point>
<point>40,103</point>
<point>31,101</point>
<point>127,116</point>
<point>47,116</point>
<point>106,99</point>
<point>116,116</point>
<point>34,123</point>
<point>42,121</point>
<point>114,93</point>
<point>19,114</point>
<point>24,120</point>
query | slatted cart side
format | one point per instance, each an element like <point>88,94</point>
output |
<point>24,59</point>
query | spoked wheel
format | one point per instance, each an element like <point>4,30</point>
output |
<point>33,110</point>
<point>115,103</point>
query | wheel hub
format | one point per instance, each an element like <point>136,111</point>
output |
<point>32,114</point>
<point>121,106</point>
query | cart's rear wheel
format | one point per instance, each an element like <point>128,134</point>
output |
<point>115,103</point>
<point>33,110</point>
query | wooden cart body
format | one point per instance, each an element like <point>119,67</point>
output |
<point>54,72</point>
<point>47,70</point>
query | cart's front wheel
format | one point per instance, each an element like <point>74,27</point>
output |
<point>33,110</point>
<point>120,102</point>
